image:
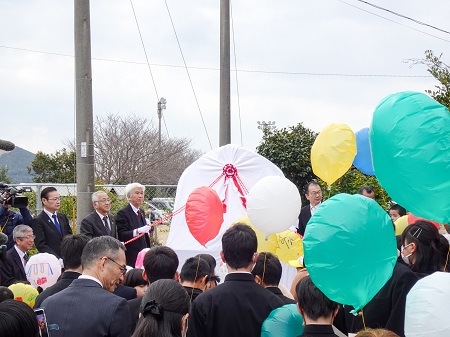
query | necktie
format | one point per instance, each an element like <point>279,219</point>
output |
<point>108,229</point>
<point>55,220</point>
<point>25,258</point>
<point>139,215</point>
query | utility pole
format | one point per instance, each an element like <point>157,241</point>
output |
<point>84,110</point>
<point>161,106</point>
<point>225,120</point>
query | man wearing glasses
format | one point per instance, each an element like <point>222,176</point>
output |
<point>100,222</point>
<point>50,226</point>
<point>12,269</point>
<point>87,307</point>
<point>313,193</point>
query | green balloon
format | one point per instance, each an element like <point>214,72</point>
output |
<point>284,321</point>
<point>350,249</point>
<point>410,143</point>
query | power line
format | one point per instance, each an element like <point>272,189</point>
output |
<point>188,74</point>
<point>403,16</point>
<point>398,23</point>
<point>237,70</point>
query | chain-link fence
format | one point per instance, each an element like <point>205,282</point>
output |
<point>158,202</point>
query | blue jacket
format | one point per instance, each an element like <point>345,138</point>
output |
<point>9,220</point>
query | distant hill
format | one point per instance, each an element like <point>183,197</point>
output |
<point>17,161</point>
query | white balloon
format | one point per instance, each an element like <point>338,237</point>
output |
<point>273,204</point>
<point>43,270</point>
<point>426,313</point>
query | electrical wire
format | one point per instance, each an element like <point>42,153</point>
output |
<point>236,73</point>
<point>237,70</point>
<point>188,74</point>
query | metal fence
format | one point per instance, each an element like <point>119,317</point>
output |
<point>158,199</point>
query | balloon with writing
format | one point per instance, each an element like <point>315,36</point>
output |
<point>43,270</point>
<point>24,293</point>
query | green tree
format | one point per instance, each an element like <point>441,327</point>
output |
<point>4,175</point>
<point>58,167</point>
<point>290,149</point>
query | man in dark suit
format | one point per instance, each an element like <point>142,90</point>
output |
<point>100,222</point>
<point>239,306</point>
<point>12,270</point>
<point>71,249</point>
<point>267,272</point>
<point>50,227</point>
<point>87,307</point>
<point>313,193</point>
<point>130,222</point>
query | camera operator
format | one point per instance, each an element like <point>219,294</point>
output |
<point>10,219</point>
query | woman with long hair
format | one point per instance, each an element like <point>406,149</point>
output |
<point>164,310</point>
<point>424,249</point>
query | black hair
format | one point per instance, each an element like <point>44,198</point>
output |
<point>306,187</point>
<point>268,268</point>
<point>431,247</point>
<point>71,249</point>
<point>366,188</point>
<point>194,269</point>
<point>133,278</point>
<point>160,262</point>
<point>396,207</point>
<point>210,259</point>
<point>163,306</point>
<point>6,294</point>
<point>239,244</point>
<point>45,192</point>
<point>312,301</point>
<point>17,319</point>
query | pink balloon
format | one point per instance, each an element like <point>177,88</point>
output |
<point>204,214</point>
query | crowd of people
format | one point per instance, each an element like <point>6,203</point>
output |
<point>99,294</point>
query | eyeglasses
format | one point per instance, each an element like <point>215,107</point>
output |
<point>315,193</point>
<point>104,200</point>
<point>54,199</point>
<point>123,268</point>
<point>28,237</point>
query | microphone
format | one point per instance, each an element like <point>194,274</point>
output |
<point>3,239</point>
<point>6,145</point>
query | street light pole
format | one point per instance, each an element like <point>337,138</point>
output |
<point>161,106</point>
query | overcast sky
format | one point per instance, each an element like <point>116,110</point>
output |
<point>283,50</point>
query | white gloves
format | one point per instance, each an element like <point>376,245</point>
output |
<point>144,229</point>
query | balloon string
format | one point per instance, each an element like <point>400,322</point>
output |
<point>446,260</point>
<point>363,320</point>
<point>264,268</point>
<point>195,278</point>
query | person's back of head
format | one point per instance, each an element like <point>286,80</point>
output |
<point>160,262</point>
<point>376,333</point>
<point>195,270</point>
<point>165,307</point>
<point>17,319</point>
<point>71,250</point>
<point>99,247</point>
<point>5,294</point>
<point>267,270</point>
<point>239,245</point>
<point>313,304</point>
<point>429,250</point>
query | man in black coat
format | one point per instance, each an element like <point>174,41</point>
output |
<point>100,222</point>
<point>267,272</point>
<point>313,193</point>
<point>50,226</point>
<point>239,306</point>
<point>12,270</point>
<point>130,222</point>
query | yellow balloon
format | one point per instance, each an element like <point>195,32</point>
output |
<point>289,246</point>
<point>333,152</point>
<point>24,293</point>
<point>268,244</point>
<point>400,224</point>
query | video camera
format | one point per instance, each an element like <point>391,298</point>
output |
<point>12,196</point>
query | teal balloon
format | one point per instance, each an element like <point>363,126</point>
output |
<point>350,249</point>
<point>284,321</point>
<point>410,143</point>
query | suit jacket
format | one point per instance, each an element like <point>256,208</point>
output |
<point>318,330</point>
<point>127,221</point>
<point>11,269</point>
<point>125,292</point>
<point>84,308</point>
<point>64,281</point>
<point>93,226</point>
<point>279,293</point>
<point>237,308</point>
<point>135,308</point>
<point>303,218</point>
<point>48,237</point>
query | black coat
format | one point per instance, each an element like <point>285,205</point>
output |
<point>318,330</point>
<point>237,308</point>
<point>48,237</point>
<point>303,218</point>
<point>11,269</point>
<point>64,281</point>
<point>279,293</point>
<point>93,226</point>
<point>127,221</point>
